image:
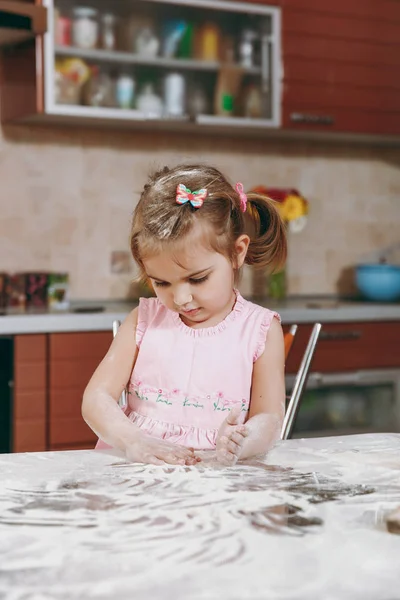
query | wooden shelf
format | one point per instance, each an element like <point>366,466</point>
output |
<point>129,58</point>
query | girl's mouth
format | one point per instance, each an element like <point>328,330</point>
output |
<point>190,313</point>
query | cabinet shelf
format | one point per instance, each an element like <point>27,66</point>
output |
<point>128,58</point>
<point>79,113</point>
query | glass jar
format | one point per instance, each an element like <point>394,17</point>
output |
<point>125,90</point>
<point>98,91</point>
<point>149,103</point>
<point>85,28</point>
<point>108,33</point>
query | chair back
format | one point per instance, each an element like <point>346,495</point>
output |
<point>299,383</point>
<point>288,339</point>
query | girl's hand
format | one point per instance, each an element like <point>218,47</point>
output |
<point>146,449</point>
<point>230,438</point>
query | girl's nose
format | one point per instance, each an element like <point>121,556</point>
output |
<point>182,297</point>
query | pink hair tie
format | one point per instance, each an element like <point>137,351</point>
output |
<point>242,196</point>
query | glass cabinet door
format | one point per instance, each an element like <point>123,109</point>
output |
<point>197,61</point>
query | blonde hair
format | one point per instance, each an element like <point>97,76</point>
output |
<point>158,219</point>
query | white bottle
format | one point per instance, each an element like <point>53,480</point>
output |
<point>174,94</point>
<point>149,103</point>
<point>125,91</point>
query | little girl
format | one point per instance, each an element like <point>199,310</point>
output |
<point>204,368</point>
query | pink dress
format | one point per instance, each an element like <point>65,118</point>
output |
<point>185,380</point>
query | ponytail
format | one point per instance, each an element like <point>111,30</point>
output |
<point>267,232</point>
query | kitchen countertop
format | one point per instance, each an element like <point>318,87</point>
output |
<point>292,310</point>
<point>306,522</point>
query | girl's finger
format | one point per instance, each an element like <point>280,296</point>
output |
<point>233,447</point>
<point>243,430</point>
<point>228,455</point>
<point>172,459</point>
<point>152,460</point>
<point>237,438</point>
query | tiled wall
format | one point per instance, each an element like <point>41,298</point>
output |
<point>66,198</point>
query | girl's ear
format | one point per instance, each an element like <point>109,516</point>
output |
<point>241,247</point>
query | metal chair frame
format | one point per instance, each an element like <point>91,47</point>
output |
<point>300,383</point>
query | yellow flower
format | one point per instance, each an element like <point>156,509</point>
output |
<point>293,207</point>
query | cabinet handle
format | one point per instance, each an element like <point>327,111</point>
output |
<point>340,335</point>
<point>296,117</point>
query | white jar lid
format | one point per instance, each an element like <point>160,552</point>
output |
<point>85,12</point>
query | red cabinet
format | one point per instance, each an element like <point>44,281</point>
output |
<point>51,372</point>
<point>341,66</point>
<point>340,71</point>
<point>30,394</point>
<point>72,359</point>
<point>349,347</point>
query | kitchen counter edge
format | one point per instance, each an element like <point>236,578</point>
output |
<point>72,322</point>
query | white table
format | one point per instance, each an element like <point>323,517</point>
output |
<point>307,522</point>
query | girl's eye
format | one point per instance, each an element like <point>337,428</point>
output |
<point>160,283</point>
<point>201,280</point>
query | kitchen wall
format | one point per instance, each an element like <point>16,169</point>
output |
<point>67,195</point>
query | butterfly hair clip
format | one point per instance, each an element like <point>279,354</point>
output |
<point>184,195</point>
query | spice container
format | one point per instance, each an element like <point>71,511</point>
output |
<point>15,292</point>
<point>36,290</point>
<point>98,91</point>
<point>85,28</point>
<point>208,42</point>
<point>62,29</point>
<point>147,43</point>
<point>58,291</point>
<point>149,103</point>
<point>125,91</point>
<point>174,94</point>
<point>108,31</point>
<point>246,48</point>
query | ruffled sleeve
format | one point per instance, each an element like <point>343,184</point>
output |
<point>147,311</point>
<point>268,317</point>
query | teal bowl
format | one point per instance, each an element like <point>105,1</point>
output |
<point>380,283</point>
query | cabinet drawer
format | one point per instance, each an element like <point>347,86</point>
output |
<point>73,357</point>
<point>30,393</point>
<point>349,347</point>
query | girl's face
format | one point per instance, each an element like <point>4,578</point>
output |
<point>195,281</point>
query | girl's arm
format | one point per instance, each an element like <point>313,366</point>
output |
<point>100,407</point>
<point>267,405</point>
<point>102,413</point>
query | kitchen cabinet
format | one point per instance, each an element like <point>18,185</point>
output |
<point>72,359</point>
<point>341,66</point>
<point>223,75</point>
<point>29,412</point>
<point>323,69</point>
<point>50,374</point>
<point>349,346</point>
